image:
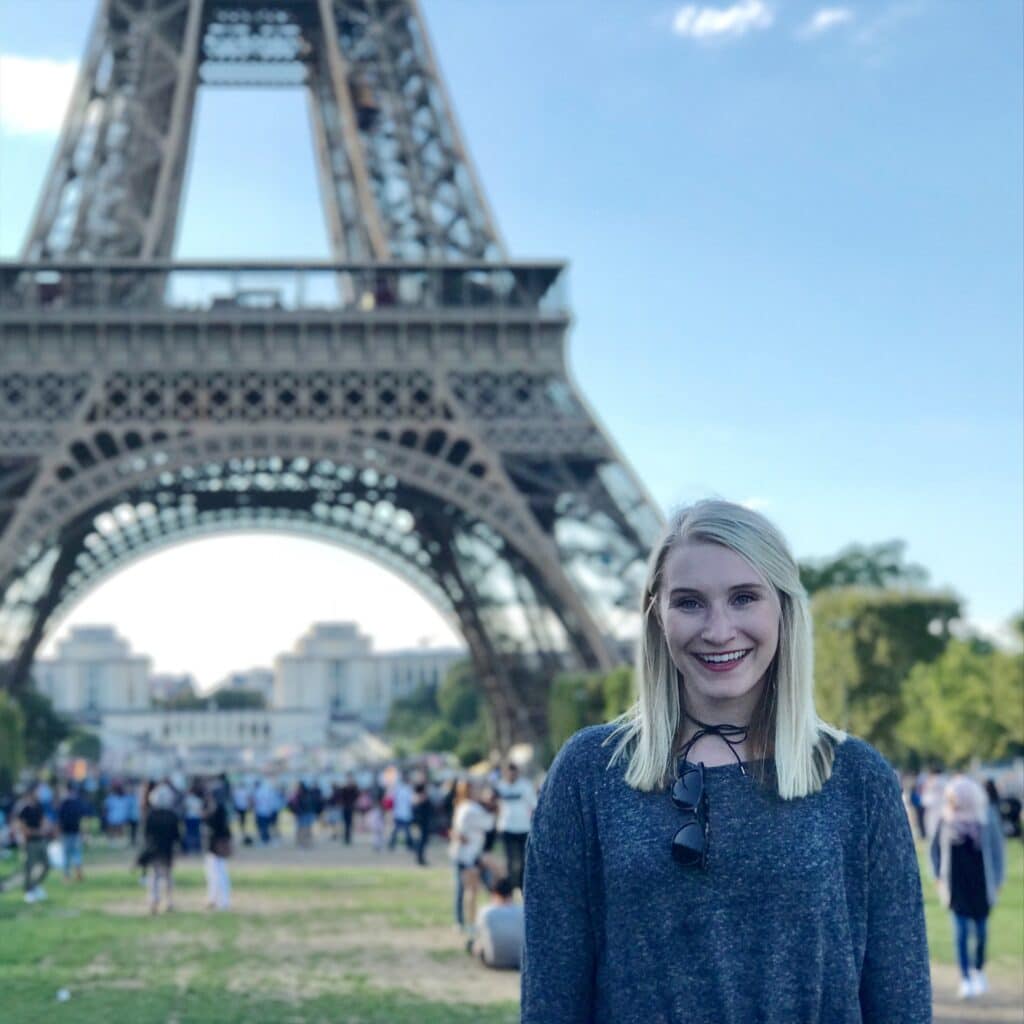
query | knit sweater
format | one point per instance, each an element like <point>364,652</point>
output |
<point>810,910</point>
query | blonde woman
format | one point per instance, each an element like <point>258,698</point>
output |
<point>720,853</point>
<point>967,854</point>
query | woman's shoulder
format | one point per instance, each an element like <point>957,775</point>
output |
<point>858,761</point>
<point>587,749</point>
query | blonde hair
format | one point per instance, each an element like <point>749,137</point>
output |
<point>785,724</point>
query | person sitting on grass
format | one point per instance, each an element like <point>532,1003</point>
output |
<point>499,929</point>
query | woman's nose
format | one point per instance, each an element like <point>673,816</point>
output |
<point>718,628</point>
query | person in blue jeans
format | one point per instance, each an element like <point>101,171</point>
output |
<point>401,813</point>
<point>968,862</point>
<point>69,820</point>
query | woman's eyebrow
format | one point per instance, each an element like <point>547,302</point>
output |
<point>737,586</point>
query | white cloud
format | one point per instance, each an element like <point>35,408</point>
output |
<point>34,94</point>
<point>706,23</point>
<point>826,18</point>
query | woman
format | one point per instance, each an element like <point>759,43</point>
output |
<point>218,883</point>
<point>466,850</point>
<point>193,842</point>
<point>967,859</point>
<point>720,853</point>
<point>162,834</point>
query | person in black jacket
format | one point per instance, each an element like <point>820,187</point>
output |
<point>162,835</point>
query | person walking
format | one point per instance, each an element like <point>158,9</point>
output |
<point>967,856</point>
<point>349,799</point>
<point>720,853</point>
<point>70,813</point>
<point>218,849</point>
<point>241,796</point>
<point>193,815</point>
<point>265,802</point>
<point>401,812</point>
<point>162,834</point>
<point>516,802</point>
<point>34,831</point>
<point>422,816</point>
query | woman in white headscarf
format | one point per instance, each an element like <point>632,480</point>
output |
<point>967,858</point>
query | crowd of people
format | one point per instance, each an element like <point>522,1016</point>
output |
<point>482,821</point>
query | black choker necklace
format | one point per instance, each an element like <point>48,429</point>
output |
<point>731,735</point>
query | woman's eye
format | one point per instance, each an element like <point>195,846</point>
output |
<point>744,599</point>
<point>686,603</point>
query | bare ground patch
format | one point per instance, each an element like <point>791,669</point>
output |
<point>386,958</point>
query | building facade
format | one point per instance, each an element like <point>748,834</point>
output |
<point>94,671</point>
<point>334,668</point>
<point>329,695</point>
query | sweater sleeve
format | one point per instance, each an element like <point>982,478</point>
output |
<point>895,985</point>
<point>558,951</point>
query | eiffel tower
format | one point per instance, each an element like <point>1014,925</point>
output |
<point>409,399</point>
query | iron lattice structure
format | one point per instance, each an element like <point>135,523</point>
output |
<point>409,399</point>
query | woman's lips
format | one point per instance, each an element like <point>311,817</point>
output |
<point>722,666</point>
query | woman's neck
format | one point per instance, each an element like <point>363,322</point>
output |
<point>708,745</point>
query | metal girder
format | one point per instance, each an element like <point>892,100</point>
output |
<point>410,399</point>
<point>396,179</point>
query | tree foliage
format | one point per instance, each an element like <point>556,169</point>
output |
<point>579,699</point>
<point>863,565</point>
<point>236,700</point>
<point>453,717</point>
<point>86,745</point>
<point>866,643</point>
<point>967,702</point>
<point>12,748</point>
<point>43,729</point>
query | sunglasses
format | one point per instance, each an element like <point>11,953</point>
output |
<point>690,845</point>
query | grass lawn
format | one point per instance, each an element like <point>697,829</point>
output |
<point>303,945</point>
<point>1005,925</point>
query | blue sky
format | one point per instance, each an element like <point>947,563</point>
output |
<point>794,228</point>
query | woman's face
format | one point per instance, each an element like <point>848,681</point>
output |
<point>721,622</point>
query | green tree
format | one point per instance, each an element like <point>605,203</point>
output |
<point>459,697</point>
<point>12,747</point>
<point>86,745</point>
<point>866,643</point>
<point>576,699</point>
<point>439,735</point>
<point>233,700</point>
<point>618,690</point>
<point>969,702</point>
<point>411,714</point>
<point>43,728</point>
<point>863,565</point>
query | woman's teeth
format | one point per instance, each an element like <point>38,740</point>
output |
<point>722,659</point>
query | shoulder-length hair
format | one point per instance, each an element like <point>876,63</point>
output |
<point>785,725</point>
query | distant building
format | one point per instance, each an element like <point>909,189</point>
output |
<point>334,668</point>
<point>165,686</point>
<point>94,670</point>
<point>254,680</point>
<point>322,697</point>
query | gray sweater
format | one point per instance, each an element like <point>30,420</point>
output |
<point>810,910</point>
